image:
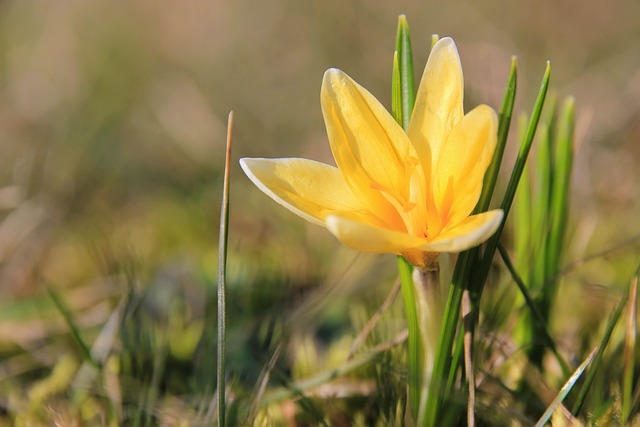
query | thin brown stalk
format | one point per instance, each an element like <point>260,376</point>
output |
<point>374,319</point>
<point>467,320</point>
<point>629,350</point>
<point>600,254</point>
<point>264,380</point>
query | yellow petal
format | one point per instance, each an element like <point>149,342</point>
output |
<point>438,104</point>
<point>368,238</point>
<point>471,232</point>
<point>371,150</point>
<point>307,188</point>
<point>465,157</point>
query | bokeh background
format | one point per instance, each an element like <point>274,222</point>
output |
<point>112,130</point>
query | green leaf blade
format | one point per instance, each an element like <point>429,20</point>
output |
<point>405,68</point>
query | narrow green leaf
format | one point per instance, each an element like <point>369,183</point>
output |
<point>456,359</point>
<point>73,328</point>
<point>541,178</point>
<point>444,366</point>
<point>405,68</point>
<point>540,206</point>
<point>483,268</point>
<point>550,114</point>
<point>442,363</point>
<point>522,234</point>
<point>222,278</point>
<point>504,123</point>
<point>541,202</point>
<point>403,99</point>
<point>299,387</point>
<point>566,388</point>
<point>434,40</point>
<point>414,369</point>
<point>533,307</point>
<point>396,90</point>
<point>613,321</point>
<point>559,204</point>
<point>466,259</point>
<point>526,145</point>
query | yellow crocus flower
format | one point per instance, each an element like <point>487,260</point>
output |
<point>408,193</point>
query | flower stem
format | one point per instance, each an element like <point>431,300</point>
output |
<point>442,362</point>
<point>423,305</point>
<point>426,284</point>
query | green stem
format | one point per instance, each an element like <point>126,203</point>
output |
<point>222,266</point>
<point>445,342</point>
<point>414,369</point>
<point>426,286</point>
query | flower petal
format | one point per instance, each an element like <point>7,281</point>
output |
<point>307,188</point>
<point>371,150</point>
<point>438,104</point>
<point>465,157</point>
<point>471,232</point>
<point>369,238</point>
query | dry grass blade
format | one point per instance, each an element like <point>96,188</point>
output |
<point>302,386</point>
<point>222,263</point>
<point>566,388</point>
<point>613,321</point>
<point>629,350</point>
<point>262,384</point>
<point>374,319</point>
<point>467,319</point>
<point>633,240</point>
<point>101,349</point>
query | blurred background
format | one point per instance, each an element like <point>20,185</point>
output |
<point>112,130</point>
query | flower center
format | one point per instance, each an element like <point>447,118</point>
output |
<point>409,201</point>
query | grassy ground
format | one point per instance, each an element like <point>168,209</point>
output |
<point>112,131</point>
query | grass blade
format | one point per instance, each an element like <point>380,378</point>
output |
<point>506,111</point>
<point>540,202</point>
<point>73,328</point>
<point>222,267</point>
<point>559,203</point>
<point>364,333</point>
<point>522,234</point>
<point>533,307</point>
<point>566,388</point>
<point>405,68</point>
<point>485,263</point>
<point>414,368</point>
<point>403,99</point>
<point>443,361</point>
<point>396,91</point>
<point>598,357</point>
<point>629,350</point>
<point>298,388</point>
